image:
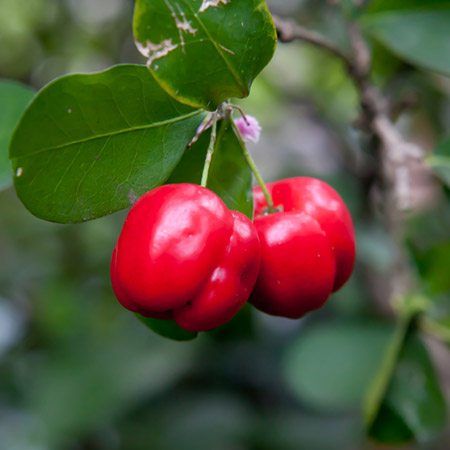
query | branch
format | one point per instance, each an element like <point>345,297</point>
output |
<point>395,154</point>
<point>289,31</point>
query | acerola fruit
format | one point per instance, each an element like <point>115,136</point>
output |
<point>308,249</point>
<point>183,255</point>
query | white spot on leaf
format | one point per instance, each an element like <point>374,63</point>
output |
<point>182,24</point>
<point>132,197</point>
<point>185,25</point>
<point>155,51</point>
<point>214,3</point>
<point>19,172</point>
<point>69,111</point>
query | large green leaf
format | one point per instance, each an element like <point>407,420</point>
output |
<point>229,175</point>
<point>14,98</point>
<point>414,397</point>
<point>417,31</point>
<point>204,52</point>
<point>330,366</point>
<point>89,145</point>
<point>439,162</point>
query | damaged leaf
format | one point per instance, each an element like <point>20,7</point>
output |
<point>204,52</point>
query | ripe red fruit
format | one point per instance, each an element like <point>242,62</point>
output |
<point>183,255</point>
<point>308,249</point>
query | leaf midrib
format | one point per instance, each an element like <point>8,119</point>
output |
<point>108,135</point>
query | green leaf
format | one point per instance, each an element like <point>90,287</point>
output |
<point>190,168</point>
<point>439,162</point>
<point>229,175</point>
<point>89,145</point>
<point>417,31</point>
<point>167,328</point>
<point>433,266</point>
<point>330,365</point>
<point>403,5</point>
<point>390,427</point>
<point>373,400</point>
<point>14,98</point>
<point>414,396</point>
<point>204,52</point>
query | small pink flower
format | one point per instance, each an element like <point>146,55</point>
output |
<point>250,131</point>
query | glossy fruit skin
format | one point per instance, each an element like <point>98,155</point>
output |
<point>313,257</point>
<point>183,255</point>
<point>297,265</point>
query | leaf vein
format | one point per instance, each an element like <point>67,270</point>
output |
<point>111,134</point>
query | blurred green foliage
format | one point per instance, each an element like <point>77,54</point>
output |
<point>15,98</point>
<point>79,372</point>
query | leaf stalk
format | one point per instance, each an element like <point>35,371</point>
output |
<point>210,151</point>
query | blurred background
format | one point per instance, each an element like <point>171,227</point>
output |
<point>78,372</point>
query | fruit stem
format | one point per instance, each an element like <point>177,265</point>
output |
<point>253,168</point>
<point>241,111</point>
<point>209,153</point>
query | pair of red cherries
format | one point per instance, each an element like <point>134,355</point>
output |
<point>183,255</point>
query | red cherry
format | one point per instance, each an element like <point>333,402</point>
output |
<point>297,265</point>
<point>183,254</point>
<point>319,200</point>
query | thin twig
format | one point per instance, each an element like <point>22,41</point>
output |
<point>289,31</point>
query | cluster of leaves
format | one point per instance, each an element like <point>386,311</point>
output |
<point>89,145</point>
